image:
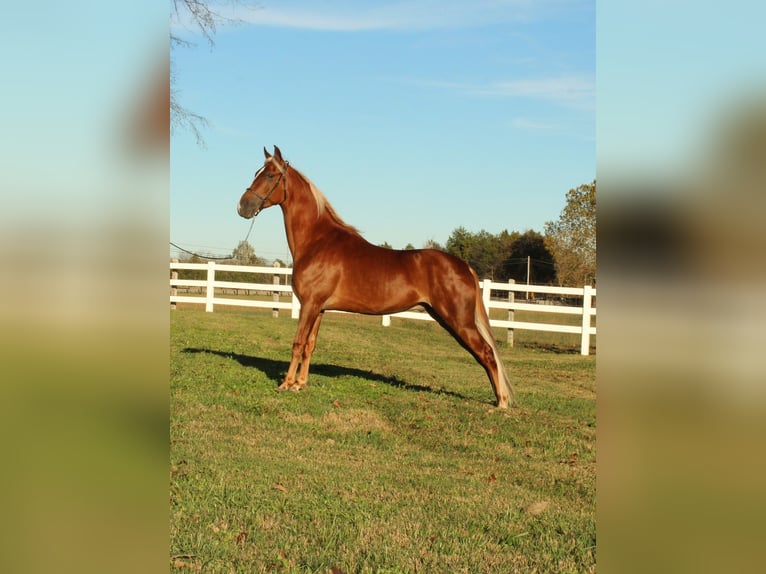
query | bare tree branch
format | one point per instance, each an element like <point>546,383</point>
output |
<point>201,15</point>
<point>206,20</point>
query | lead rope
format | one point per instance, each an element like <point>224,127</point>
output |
<point>252,222</point>
<point>208,256</point>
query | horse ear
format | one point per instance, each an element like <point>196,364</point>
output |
<point>278,154</point>
<point>266,153</point>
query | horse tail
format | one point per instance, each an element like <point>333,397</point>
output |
<point>485,330</point>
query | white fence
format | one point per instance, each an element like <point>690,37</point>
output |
<point>208,297</point>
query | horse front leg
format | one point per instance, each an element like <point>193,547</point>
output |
<point>306,322</point>
<point>308,350</point>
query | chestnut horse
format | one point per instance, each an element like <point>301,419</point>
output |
<point>334,268</point>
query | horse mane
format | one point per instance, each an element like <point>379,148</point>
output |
<point>323,206</point>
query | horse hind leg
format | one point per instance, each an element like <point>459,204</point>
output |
<point>469,325</point>
<point>492,364</point>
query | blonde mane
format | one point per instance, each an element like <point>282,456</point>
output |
<point>323,205</point>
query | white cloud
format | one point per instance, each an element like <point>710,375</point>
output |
<point>570,91</point>
<point>575,91</point>
<point>566,129</point>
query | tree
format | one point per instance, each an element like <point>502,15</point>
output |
<point>482,251</point>
<point>459,243</point>
<point>201,16</point>
<point>505,255</point>
<point>529,252</point>
<point>572,239</point>
<point>432,244</point>
<point>484,255</point>
<point>244,254</point>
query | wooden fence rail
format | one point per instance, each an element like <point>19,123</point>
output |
<point>507,300</point>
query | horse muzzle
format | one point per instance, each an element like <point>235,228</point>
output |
<point>247,210</point>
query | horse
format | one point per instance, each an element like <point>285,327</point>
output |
<point>335,268</point>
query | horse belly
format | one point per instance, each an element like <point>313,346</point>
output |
<point>375,293</point>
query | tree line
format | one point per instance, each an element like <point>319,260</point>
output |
<point>563,254</point>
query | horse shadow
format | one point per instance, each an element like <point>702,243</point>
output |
<point>275,370</point>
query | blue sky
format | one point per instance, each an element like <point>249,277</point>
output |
<point>413,118</point>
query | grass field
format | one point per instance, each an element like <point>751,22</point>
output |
<point>392,460</point>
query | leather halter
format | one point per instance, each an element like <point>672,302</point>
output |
<point>283,178</point>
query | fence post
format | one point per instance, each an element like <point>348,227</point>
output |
<point>486,287</point>
<point>587,294</point>
<point>295,310</point>
<point>210,287</point>
<point>275,295</point>
<point>173,289</point>
<point>511,312</point>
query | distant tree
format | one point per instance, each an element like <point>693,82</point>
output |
<point>572,239</point>
<point>530,244</point>
<point>386,244</point>
<point>191,273</point>
<point>432,244</point>
<point>244,254</point>
<point>409,247</point>
<point>506,240</point>
<point>481,250</point>
<point>504,256</point>
<point>460,243</point>
<point>485,255</point>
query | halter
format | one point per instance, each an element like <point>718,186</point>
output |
<point>282,177</point>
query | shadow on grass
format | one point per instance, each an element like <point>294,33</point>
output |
<point>552,348</point>
<point>276,370</point>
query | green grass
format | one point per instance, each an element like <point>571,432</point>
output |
<point>392,460</point>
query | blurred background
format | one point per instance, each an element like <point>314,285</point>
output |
<point>83,296</point>
<point>681,155</point>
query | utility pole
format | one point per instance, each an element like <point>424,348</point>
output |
<point>528,261</point>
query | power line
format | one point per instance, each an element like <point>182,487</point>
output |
<point>534,261</point>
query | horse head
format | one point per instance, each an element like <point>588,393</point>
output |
<point>269,186</point>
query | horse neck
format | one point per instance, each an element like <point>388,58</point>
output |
<point>304,224</point>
